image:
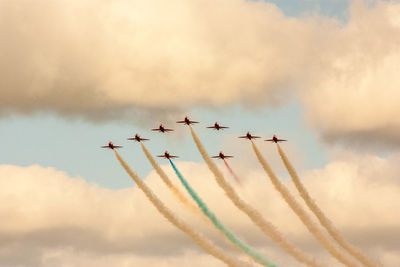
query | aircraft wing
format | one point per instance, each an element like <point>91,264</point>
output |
<point>161,156</point>
<point>215,157</point>
<point>168,130</point>
<point>255,136</point>
<point>131,138</point>
<point>242,136</point>
<point>210,127</point>
<point>193,122</point>
<point>223,127</point>
<point>156,129</point>
<point>281,140</point>
<point>269,140</point>
<point>172,157</point>
<point>228,157</point>
<point>181,122</point>
<point>118,146</point>
<point>144,139</point>
<point>104,146</point>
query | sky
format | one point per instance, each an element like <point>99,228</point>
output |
<point>322,74</point>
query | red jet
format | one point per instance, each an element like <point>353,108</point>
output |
<point>187,121</point>
<point>137,138</point>
<point>167,156</point>
<point>111,146</point>
<point>162,129</point>
<point>222,156</point>
<point>249,136</point>
<point>217,127</point>
<point>275,139</point>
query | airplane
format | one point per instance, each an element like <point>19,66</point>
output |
<point>167,156</point>
<point>249,136</point>
<point>217,127</point>
<point>187,121</point>
<point>275,139</point>
<point>111,146</point>
<point>222,156</point>
<point>137,138</point>
<point>162,129</point>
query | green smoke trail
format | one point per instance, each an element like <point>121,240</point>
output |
<point>245,248</point>
<point>178,194</point>
<point>204,243</point>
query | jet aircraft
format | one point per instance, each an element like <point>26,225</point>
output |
<point>221,156</point>
<point>111,146</point>
<point>162,129</point>
<point>137,138</point>
<point>167,156</point>
<point>217,127</point>
<point>187,121</point>
<point>275,139</point>
<point>249,136</point>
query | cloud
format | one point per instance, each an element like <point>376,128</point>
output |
<point>53,219</point>
<point>354,92</point>
<point>107,60</point>
<point>102,58</point>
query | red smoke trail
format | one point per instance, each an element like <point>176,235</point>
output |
<point>179,195</point>
<point>256,217</point>
<point>231,171</point>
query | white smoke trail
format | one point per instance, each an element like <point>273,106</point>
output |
<point>265,226</point>
<point>325,222</point>
<point>300,212</point>
<point>204,243</point>
<point>179,195</point>
<point>219,225</point>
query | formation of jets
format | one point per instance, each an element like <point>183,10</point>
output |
<point>187,121</point>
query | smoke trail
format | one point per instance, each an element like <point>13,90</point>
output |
<point>325,222</point>
<point>253,214</point>
<point>245,248</point>
<point>300,212</point>
<point>178,194</point>
<point>204,243</point>
<point>231,171</point>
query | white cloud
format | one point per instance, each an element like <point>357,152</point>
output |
<point>354,89</point>
<point>102,59</point>
<point>52,219</point>
<point>97,58</point>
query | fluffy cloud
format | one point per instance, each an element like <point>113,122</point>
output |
<point>101,58</point>
<point>354,92</point>
<point>51,219</point>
